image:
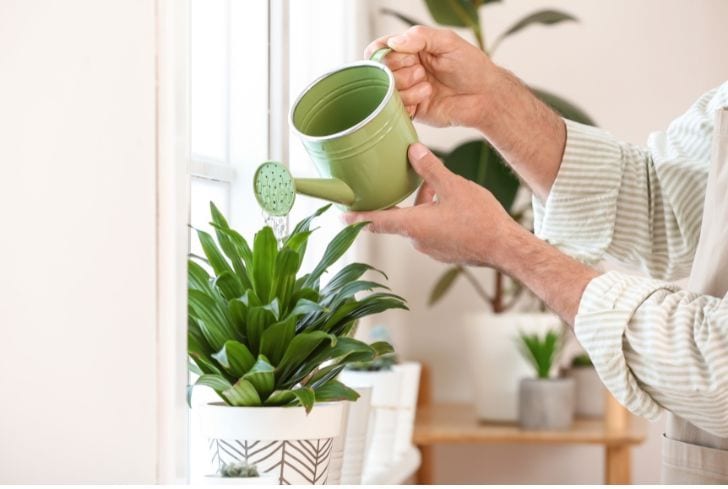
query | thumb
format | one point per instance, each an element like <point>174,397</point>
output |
<point>423,38</point>
<point>429,167</point>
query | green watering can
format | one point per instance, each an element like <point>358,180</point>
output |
<point>356,130</point>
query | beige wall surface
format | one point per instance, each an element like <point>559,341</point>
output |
<point>77,205</point>
<point>633,65</point>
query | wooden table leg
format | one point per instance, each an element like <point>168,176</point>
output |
<point>617,465</point>
<point>425,474</point>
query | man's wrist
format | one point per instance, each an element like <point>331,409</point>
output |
<point>553,276</point>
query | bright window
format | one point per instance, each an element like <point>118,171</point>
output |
<point>248,60</point>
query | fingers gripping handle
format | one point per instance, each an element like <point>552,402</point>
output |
<point>379,54</point>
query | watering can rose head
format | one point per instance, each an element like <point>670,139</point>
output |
<point>262,334</point>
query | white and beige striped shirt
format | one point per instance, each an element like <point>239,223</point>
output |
<point>654,344</point>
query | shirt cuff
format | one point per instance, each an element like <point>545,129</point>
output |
<point>606,308</point>
<point>578,216</point>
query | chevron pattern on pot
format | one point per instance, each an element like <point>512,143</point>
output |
<point>293,461</point>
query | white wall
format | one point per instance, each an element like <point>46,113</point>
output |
<point>77,206</point>
<point>633,66</point>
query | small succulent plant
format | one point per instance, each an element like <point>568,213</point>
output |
<point>541,351</point>
<point>238,469</point>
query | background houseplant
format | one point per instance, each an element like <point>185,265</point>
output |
<point>263,336</point>
<point>544,402</point>
<point>496,395</point>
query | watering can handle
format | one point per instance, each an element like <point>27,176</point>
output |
<point>379,54</point>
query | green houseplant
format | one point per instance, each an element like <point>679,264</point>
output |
<point>271,342</point>
<point>240,474</point>
<point>544,402</point>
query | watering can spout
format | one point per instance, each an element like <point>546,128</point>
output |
<point>331,189</point>
<point>275,189</point>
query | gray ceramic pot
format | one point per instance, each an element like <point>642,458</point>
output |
<point>546,404</point>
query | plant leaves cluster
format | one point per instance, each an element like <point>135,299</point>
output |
<point>261,334</point>
<point>541,351</point>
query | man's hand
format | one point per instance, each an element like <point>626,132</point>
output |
<point>446,81</point>
<point>442,79</point>
<point>463,224</point>
<point>457,221</point>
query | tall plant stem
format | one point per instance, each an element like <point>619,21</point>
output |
<point>497,301</point>
<point>476,285</point>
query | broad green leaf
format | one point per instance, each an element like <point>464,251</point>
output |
<point>258,319</point>
<point>566,109</point>
<point>262,377</point>
<point>235,358</point>
<point>404,18</point>
<point>343,348</point>
<point>443,284</point>
<point>265,249</point>
<point>241,245</point>
<point>456,13</point>
<point>217,261</point>
<point>280,398</point>
<point>196,341</point>
<point>198,278</point>
<point>335,250</point>
<point>298,243</point>
<point>349,273</point>
<point>333,390</point>
<point>543,17</point>
<point>204,365</point>
<point>351,289</point>
<point>243,393</point>
<point>284,277</point>
<point>479,162</point>
<point>381,348</point>
<point>305,306</point>
<point>305,396</point>
<point>325,374</point>
<point>217,382</point>
<point>229,285</point>
<point>233,252</point>
<point>213,320</point>
<point>372,304</point>
<point>276,338</point>
<point>299,349</point>
<point>305,224</point>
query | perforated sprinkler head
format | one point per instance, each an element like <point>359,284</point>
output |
<point>274,188</point>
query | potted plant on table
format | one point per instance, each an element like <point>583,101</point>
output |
<point>544,402</point>
<point>271,342</point>
<point>495,366</point>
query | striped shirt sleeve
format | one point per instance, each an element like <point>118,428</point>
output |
<point>653,344</point>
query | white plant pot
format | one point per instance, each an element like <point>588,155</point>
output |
<point>355,444</point>
<point>410,386</point>
<point>263,480</point>
<point>385,386</point>
<point>285,442</point>
<point>495,362</point>
<point>589,392</point>
<point>337,449</point>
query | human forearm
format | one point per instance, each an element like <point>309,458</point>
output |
<point>529,135</point>
<point>554,277</point>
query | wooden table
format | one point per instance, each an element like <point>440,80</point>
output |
<point>457,424</point>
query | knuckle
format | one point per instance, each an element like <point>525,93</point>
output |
<point>418,30</point>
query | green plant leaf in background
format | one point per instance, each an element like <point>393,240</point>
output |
<point>457,13</point>
<point>543,17</point>
<point>443,284</point>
